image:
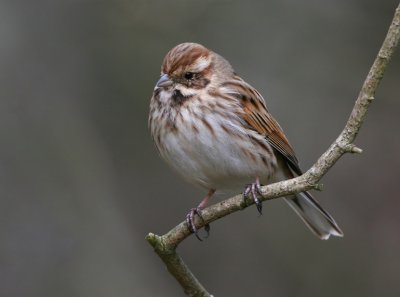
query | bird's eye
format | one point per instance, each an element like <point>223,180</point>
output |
<point>189,75</point>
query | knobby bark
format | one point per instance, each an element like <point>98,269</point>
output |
<point>165,245</point>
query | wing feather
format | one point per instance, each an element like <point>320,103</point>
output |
<point>256,115</point>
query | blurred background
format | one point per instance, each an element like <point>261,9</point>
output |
<point>81,183</point>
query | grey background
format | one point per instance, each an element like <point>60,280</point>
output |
<point>81,183</point>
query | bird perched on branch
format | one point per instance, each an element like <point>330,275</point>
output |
<point>215,130</point>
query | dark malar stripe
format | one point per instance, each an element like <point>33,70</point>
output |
<point>178,98</point>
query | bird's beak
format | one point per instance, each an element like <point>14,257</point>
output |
<point>164,81</point>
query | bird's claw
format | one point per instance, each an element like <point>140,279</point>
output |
<point>191,224</point>
<point>255,190</point>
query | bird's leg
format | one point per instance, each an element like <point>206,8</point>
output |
<point>255,190</point>
<point>198,210</point>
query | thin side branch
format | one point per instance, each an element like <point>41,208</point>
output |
<point>165,246</point>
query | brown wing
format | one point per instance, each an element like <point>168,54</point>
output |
<point>259,119</point>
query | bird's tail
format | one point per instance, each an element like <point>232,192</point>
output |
<point>314,216</point>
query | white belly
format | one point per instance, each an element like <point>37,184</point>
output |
<point>215,159</point>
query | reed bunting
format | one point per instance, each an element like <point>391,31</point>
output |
<point>215,130</point>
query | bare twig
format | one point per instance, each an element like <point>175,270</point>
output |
<point>165,246</point>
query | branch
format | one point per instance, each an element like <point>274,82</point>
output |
<point>165,245</point>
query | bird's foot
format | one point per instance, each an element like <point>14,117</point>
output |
<point>253,191</point>
<point>192,227</point>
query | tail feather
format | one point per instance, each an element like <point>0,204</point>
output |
<point>314,216</point>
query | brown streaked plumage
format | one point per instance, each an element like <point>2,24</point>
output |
<point>216,131</point>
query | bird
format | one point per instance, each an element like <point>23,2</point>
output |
<point>215,130</point>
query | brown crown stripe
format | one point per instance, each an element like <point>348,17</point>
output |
<point>180,57</point>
